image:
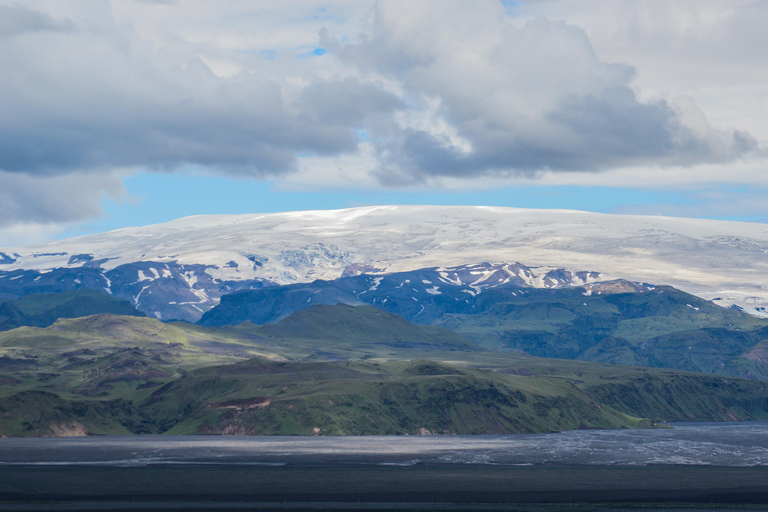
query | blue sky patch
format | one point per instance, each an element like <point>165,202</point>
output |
<point>510,7</point>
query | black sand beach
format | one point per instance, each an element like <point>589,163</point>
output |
<point>210,487</point>
<point>713,467</point>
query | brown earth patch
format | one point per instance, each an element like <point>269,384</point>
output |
<point>759,355</point>
<point>72,429</point>
<point>243,405</point>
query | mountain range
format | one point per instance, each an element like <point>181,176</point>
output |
<point>328,370</point>
<point>618,322</point>
<point>180,269</point>
<point>385,320</point>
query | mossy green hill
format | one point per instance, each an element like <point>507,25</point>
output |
<point>616,322</point>
<point>327,370</point>
<point>423,396</point>
<point>42,310</point>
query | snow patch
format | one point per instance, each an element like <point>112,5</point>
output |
<point>447,279</point>
<point>108,288</point>
<point>138,295</point>
<point>143,277</point>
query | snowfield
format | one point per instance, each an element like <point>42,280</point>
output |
<point>724,261</point>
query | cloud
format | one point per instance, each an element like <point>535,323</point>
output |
<point>522,99</point>
<point>390,93</point>
<point>16,20</point>
<point>708,49</point>
<point>100,97</point>
<point>26,199</point>
<point>346,102</point>
<point>518,98</point>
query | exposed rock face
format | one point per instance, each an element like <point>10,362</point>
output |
<point>69,429</point>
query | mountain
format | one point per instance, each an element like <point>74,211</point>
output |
<point>42,310</point>
<point>333,327</point>
<point>420,295</point>
<point>110,355</point>
<point>162,290</point>
<point>362,371</point>
<point>427,397</point>
<point>181,268</point>
<point>617,322</point>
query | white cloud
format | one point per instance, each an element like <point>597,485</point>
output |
<point>710,50</point>
<point>447,93</point>
<point>524,97</point>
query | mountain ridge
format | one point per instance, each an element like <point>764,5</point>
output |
<point>153,377</point>
<point>617,322</point>
<point>200,258</point>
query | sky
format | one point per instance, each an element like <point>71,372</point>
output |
<point>117,113</point>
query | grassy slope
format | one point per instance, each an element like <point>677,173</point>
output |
<point>404,397</point>
<point>661,328</point>
<point>258,397</point>
<point>614,322</point>
<point>111,374</point>
<point>110,356</point>
<point>42,310</point>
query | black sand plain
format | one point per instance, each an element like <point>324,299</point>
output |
<point>376,487</point>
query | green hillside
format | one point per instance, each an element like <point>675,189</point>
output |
<point>42,310</point>
<point>352,398</point>
<point>328,370</point>
<point>109,355</point>
<point>664,328</point>
<point>259,396</point>
<point>616,322</point>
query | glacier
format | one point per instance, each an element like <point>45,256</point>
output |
<point>197,259</point>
